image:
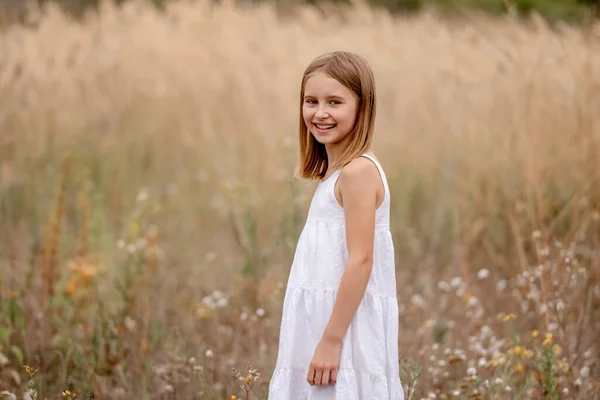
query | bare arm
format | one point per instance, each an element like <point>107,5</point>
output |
<point>358,186</point>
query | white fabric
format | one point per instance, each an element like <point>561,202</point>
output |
<point>369,368</point>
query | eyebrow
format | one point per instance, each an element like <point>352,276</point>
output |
<point>335,96</point>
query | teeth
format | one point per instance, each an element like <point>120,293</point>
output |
<point>324,126</point>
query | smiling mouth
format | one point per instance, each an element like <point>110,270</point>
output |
<point>325,127</point>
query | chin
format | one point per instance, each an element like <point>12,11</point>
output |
<point>325,139</point>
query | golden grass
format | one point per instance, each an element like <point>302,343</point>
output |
<point>148,213</point>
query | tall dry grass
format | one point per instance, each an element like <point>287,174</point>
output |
<point>149,215</point>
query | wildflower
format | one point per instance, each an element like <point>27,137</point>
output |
<point>418,301</point>
<point>5,394</point>
<point>69,394</point>
<point>519,367</point>
<point>506,318</point>
<point>534,333</point>
<point>142,196</point>
<point>431,395</point>
<point>565,367</point>
<point>260,312</point>
<point>501,285</point>
<point>548,339</point>
<point>578,382</point>
<point>507,388</point>
<point>243,316</point>
<point>471,371</point>
<point>443,286</point>
<point>557,349</point>
<point>209,353</point>
<point>483,273</point>
<point>222,302</point>
<point>584,372</point>
<point>233,397</point>
<point>456,393</point>
<point>499,381</point>
<point>565,390</point>
<point>30,370</point>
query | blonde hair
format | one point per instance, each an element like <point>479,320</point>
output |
<point>352,71</point>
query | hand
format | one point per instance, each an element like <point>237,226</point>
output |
<point>323,369</point>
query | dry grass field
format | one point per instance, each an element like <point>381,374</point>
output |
<point>149,213</point>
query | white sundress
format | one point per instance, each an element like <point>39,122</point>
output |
<point>369,367</point>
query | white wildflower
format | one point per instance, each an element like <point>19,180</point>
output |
<point>6,395</point>
<point>456,393</point>
<point>260,312</point>
<point>443,286</point>
<point>243,316</point>
<point>209,354</point>
<point>471,371</point>
<point>501,285</point>
<point>456,282</point>
<point>483,273</point>
<point>499,381</point>
<point>584,372</point>
<point>536,235</point>
<point>222,302</point>
<point>507,388</point>
<point>142,196</point>
<point>418,300</point>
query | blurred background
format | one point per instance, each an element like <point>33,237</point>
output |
<point>149,213</point>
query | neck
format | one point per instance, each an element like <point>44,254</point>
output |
<point>335,151</point>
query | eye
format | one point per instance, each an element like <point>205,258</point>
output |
<point>335,102</point>
<point>310,101</point>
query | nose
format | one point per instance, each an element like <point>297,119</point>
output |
<point>321,113</point>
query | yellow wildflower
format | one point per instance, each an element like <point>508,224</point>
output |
<point>528,353</point>
<point>518,350</point>
<point>519,367</point>
<point>548,339</point>
<point>508,317</point>
<point>233,397</point>
<point>492,363</point>
<point>534,333</point>
<point>557,349</point>
<point>565,367</point>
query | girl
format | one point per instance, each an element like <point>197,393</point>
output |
<point>339,330</point>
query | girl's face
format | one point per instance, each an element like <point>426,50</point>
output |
<point>329,108</point>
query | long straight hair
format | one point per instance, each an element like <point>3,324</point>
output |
<point>352,71</point>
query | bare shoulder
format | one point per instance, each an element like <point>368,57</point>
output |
<point>360,171</point>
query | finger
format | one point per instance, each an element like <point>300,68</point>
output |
<point>334,374</point>
<point>318,376</point>
<point>310,378</point>
<point>325,378</point>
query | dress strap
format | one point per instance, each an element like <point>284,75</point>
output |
<point>379,168</point>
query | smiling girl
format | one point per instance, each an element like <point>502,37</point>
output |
<point>339,329</point>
